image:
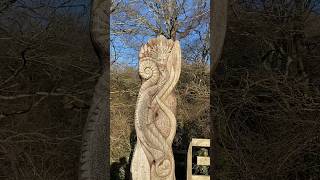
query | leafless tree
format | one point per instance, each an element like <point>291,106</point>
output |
<point>133,22</point>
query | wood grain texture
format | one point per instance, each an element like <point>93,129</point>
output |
<point>155,122</point>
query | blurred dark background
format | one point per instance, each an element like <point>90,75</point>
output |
<point>266,88</point>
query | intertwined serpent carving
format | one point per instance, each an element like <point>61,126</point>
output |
<point>155,122</point>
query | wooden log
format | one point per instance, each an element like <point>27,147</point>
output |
<point>155,122</point>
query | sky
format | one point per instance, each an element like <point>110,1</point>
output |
<point>129,56</point>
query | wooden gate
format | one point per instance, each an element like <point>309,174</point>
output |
<point>201,160</point>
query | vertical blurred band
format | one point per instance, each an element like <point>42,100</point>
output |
<point>95,151</point>
<point>218,27</point>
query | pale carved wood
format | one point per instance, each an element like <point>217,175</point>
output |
<point>203,160</point>
<point>155,122</point>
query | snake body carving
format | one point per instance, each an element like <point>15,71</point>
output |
<point>155,122</point>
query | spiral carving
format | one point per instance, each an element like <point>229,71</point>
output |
<point>147,69</point>
<point>155,122</point>
<point>163,168</point>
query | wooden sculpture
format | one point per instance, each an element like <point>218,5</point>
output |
<point>155,122</point>
<point>94,156</point>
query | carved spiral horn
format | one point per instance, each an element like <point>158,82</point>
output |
<point>147,69</point>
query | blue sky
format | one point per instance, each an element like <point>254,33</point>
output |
<point>129,56</point>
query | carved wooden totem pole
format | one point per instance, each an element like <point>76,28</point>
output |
<point>155,122</point>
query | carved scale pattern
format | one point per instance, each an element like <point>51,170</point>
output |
<point>155,122</point>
